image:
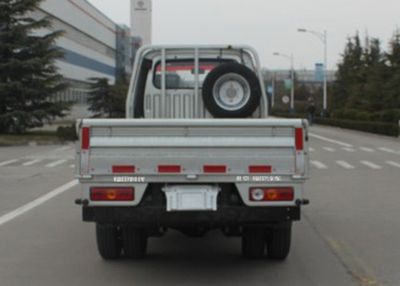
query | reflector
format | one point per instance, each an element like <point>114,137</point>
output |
<point>123,169</point>
<point>299,139</point>
<point>214,169</point>
<point>169,169</point>
<point>85,140</point>
<point>260,169</point>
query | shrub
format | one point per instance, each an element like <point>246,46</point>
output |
<point>391,115</point>
<point>382,128</point>
<point>288,115</point>
<point>67,133</point>
<point>384,123</point>
<point>354,114</point>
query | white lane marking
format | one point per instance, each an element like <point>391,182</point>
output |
<point>311,149</point>
<point>329,149</point>
<point>331,140</point>
<point>366,149</point>
<point>394,164</point>
<point>64,148</point>
<point>56,163</point>
<point>371,165</point>
<point>35,203</point>
<point>72,166</point>
<point>30,163</point>
<point>319,165</point>
<point>384,149</point>
<point>349,149</point>
<point>345,165</point>
<point>5,163</point>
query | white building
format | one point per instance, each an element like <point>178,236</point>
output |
<point>91,44</point>
<point>141,20</point>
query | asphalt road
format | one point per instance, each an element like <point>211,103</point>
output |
<point>349,235</point>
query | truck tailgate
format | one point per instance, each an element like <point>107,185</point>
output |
<point>192,151</point>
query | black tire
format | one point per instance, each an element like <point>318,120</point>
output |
<point>278,242</point>
<point>253,243</point>
<point>108,241</point>
<point>134,242</point>
<point>231,68</point>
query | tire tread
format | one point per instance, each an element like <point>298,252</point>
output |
<point>278,244</point>
<point>108,243</point>
<point>253,243</point>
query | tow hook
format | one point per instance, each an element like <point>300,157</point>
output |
<point>304,202</point>
<point>81,202</point>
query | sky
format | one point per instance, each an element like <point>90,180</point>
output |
<point>268,26</point>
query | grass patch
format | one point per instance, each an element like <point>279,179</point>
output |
<point>39,137</point>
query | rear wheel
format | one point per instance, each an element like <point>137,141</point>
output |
<point>134,242</point>
<point>108,241</point>
<point>278,242</point>
<point>253,243</point>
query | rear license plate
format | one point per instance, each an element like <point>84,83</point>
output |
<point>191,198</point>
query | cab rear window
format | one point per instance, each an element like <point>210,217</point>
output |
<point>181,74</point>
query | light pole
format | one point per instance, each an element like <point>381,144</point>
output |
<point>291,58</point>
<point>274,92</point>
<point>323,37</point>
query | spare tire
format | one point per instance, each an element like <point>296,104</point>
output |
<point>231,90</point>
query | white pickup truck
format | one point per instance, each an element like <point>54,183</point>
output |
<point>196,152</point>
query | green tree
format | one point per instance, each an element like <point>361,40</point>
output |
<point>368,81</point>
<point>392,86</point>
<point>100,97</point>
<point>361,76</point>
<point>348,87</point>
<point>28,75</point>
<point>107,100</point>
<point>376,75</point>
<point>302,92</point>
<point>118,94</point>
<point>342,84</point>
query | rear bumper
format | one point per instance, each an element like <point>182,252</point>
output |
<point>159,217</point>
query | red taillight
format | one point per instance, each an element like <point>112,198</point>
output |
<point>214,169</point>
<point>279,194</point>
<point>112,194</point>
<point>169,169</point>
<point>260,169</point>
<point>299,139</point>
<point>119,169</point>
<point>85,140</point>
